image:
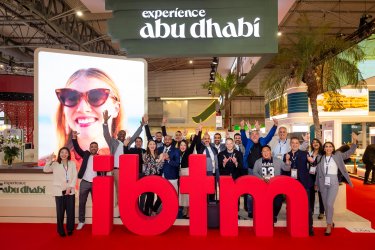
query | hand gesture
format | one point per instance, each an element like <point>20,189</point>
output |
<point>310,159</point>
<point>206,133</point>
<point>275,122</point>
<point>225,160</point>
<point>287,157</point>
<point>51,157</point>
<point>248,125</point>
<point>316,187</point>
<point>257,125</point>
<point>234,160</point>
<point>354,138</point>
<point>242,124</point>
<point>106,116</point>
<point>68,191</point>
<point>166,156</point>
<point>306,137</point>
<point>164,121</point>
<point>74,134</point>
<point>199,128</point>
<point>144,120</point>
<point>127,141</point>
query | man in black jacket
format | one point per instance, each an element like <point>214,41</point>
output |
<point>86,174</point>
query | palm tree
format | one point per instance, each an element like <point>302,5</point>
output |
<point>324,63</point>
<point>228,88</point>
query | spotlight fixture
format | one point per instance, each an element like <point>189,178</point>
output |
<point>215,61</point>
<point>212,78</point>
<point>212,73</point>
<point>209,92</point>
<point>191,61</point>
<point>279,33</point>
<point>79,13</point>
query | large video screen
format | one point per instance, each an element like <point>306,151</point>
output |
<point>73,89</point>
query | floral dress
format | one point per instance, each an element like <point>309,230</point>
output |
<point>151,165</point>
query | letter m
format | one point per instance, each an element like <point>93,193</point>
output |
<point>263,195</point>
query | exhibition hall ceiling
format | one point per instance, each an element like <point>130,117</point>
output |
<point>27,25</point>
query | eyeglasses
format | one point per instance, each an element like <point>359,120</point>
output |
<point>70,97</point>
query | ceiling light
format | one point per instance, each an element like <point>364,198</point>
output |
<point>212,79</point>
<point>191,61</point>
<point>279,33</point>
<point>79,13</point>
<point>215,61</point>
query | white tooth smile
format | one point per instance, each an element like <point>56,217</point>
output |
<point>86,120</point>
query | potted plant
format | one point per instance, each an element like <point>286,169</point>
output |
<point>11,148</point>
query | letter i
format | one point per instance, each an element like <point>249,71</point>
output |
<point>102,200</point>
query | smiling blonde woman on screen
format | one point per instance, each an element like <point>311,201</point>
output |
<point>87,94</point>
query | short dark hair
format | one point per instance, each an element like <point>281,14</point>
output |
<point>179,131</point>
<point>217,134</point>
<point>140,138</point>
<point>237,134</point>
<point>58,155</point>
<point>158,133</point>
<point>294,138</point>
<point>94,142</point>
<point>266,146</point>
<point>333,145</point>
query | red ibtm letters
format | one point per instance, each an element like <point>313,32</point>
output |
<point>197,185</point>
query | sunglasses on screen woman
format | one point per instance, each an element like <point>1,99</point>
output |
<point>71,97</point>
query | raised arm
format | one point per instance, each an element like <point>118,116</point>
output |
<point>163,128</point>
<point>271,133</point>
<point>352,149</point>
<point>106,133</point>
<point>198,133</point>
<point>137,132</point>
<point>48,168</point>
<point>243,133</point>
<point>76,146</point>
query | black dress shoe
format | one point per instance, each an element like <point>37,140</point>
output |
<point>70,233</point>
<point>250,215</point>
<point>62,235</point>
<point>366,183</point>
<point>274,220</point>
<point>311,233</point>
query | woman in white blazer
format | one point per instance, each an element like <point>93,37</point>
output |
<point>330,171</point>
<point>64,182</point>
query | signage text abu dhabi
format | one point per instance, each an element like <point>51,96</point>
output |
<point>20,187</point>
<point>198,185</point>
<point>206,28</point>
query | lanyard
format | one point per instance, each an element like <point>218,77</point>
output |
<point>66,172</point>
<point>293,159</point>
<point>281,145</point>
<point>327,163</point>
<point>181,156</point>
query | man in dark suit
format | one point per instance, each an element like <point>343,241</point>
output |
<point>171,166</point>
<point>298,161</point>
<point>86,174</point>
<point>369,160</point>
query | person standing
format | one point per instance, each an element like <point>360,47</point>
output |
<point>217,143</point>
<point>116,146</point>
<point>185,152</point>
<point>64,182</point>
<point>253,147</point>
<point>368,159</point>
<point>298,161</point>
<point>86,174</point>
<point>316,154</point>
<point>329,172</point>
<point>152,165</point>
<point>266,168</point>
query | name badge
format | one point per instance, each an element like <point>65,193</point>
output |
<point>312,170</point>
<point>327,181</point>
<point>294,173</point>
<point>279,156</point>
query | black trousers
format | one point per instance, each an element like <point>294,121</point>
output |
<point>149,205</point>
<point>369,168</point>
<point>277,203</point>
<point>65,203</point>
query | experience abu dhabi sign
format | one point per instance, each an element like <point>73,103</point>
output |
<point>182,28</point>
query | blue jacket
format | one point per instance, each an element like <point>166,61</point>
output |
<point>171,167</point>
<point>248,143</point>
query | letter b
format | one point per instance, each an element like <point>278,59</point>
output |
<point>130,188</point>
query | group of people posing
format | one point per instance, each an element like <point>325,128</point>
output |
<point>320,169</point>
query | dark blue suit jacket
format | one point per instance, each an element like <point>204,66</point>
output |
<point>302,167</point>
<point>171,167</point>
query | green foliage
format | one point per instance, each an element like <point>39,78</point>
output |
<point>227,87</point>
<point>322,62</point>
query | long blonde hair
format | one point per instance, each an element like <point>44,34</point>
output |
<point>63,131</point>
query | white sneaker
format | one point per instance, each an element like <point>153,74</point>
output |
<point>80,225</point>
